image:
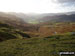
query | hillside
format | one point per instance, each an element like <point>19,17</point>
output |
<point>50,46</point>
<point>28,19</point>
<point>47,29</point>
<point>13,20</point>
<point>46,17</point>
<point>58,18</point>
<point>9,32</point>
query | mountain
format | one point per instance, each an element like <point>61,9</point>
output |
<point>22,20</point>
<point>45,17</point>
<point>29,18</point>
<point>58,18</point>
<point>17,21</point>
<point>13,20</point>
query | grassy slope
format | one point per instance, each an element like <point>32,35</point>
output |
<point>9,32</point>
<point>37,46</point>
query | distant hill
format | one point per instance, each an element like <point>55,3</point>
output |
<point>58,18</point>
<point>13,20</point>
<point>45,17</point>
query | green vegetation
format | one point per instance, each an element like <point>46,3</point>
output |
<point>9,32</point>
<point>50,46</point>
<point>15,42</point>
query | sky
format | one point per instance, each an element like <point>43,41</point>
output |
<point>37,6</point>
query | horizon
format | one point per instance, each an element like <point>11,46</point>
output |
<point>31,13</point>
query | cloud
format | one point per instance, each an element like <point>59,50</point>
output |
<point>65,5</point>
<point>64,1</point>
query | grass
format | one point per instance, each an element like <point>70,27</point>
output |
<point>8,32</point>
<point>37,46</point>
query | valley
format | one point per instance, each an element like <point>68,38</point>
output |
<point>36,35</point>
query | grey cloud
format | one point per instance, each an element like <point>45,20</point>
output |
<point>65,5</point>
<point>63,1</point>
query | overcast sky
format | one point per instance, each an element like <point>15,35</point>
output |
<point>37,6</point>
